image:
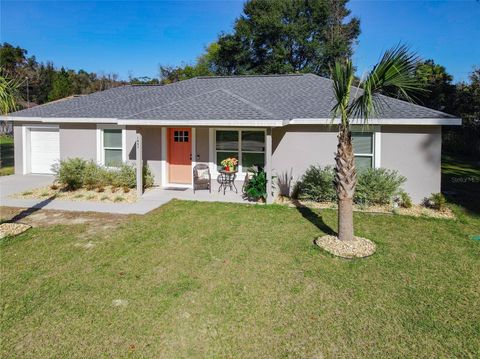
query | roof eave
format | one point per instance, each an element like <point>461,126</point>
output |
<point>446,121</point>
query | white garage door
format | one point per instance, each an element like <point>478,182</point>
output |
<point>44,149</point>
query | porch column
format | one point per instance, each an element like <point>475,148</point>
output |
<point>268,165</point>
<point>139,163</point>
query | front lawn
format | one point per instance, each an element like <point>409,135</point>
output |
<point>6,155</point>
<point>215,280</point>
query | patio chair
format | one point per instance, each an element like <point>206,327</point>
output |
<point>202,178</point>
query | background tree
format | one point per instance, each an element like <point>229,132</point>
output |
<point>204,66</point>
<point>393,74</point>
<point>465,139</point>
<point>274,36</point>
<point>62,85</point>
<point>438,82</point>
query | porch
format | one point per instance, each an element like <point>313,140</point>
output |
<point>172,153</point>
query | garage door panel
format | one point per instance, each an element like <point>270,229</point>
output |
<point>44,149</point>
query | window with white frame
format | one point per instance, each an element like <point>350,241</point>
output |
<point>363,149</point>
<point>248,146</point>
<point>112,147</point>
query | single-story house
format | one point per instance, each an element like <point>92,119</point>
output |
<point>280,122</point>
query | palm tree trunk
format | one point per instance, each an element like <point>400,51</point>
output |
<point>345,181</point>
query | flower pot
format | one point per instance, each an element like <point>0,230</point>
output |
<point>231,169</point>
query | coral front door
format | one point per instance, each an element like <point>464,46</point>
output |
<point>180,155</point>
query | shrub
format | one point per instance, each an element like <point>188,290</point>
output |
<point>256,188</point>
<point>436,201</point>
<point>148,178</point>
<point>317,184</point>
<point>74,173</point>
<point>94,176</point>
<point>70,173</point>
<point>405,200</point>
<point>374,185</point>
<point>124,176</point>
<point>377,186</point>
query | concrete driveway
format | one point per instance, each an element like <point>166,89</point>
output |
<point>21,183</point>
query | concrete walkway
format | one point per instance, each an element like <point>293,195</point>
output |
<point>151,199</point>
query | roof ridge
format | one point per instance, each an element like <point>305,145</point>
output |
<point>243,76</point>
<point>173,102</point>
<point>250,103</point>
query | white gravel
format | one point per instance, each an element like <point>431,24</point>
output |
<point>357,248</point>
<point>12,229</point>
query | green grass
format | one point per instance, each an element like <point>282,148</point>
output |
<point>6,155</point>
<point>226,280</point>
<point>217,280</point>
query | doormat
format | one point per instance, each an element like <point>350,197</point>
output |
<point>175,189</point>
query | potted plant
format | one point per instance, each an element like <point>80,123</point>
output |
<point>229,164</point>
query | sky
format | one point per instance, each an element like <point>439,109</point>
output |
<point>131,38</point>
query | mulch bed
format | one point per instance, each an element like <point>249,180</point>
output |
<point>415,210</point>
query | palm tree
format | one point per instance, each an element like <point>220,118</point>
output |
<point>393,75</point>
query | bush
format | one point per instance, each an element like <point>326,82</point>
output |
<point>377,186</point>
<point>75,173</point>
<point>70,173</point>
<point>374,185</point>
<point>436,201</point>
<point>256,188</point>
<point>405,200</point>
<point>94,176</point>
<point>317,184</point>
<point>124,176</point>
<point>148,178</point>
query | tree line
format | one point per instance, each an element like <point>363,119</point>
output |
<point>269,37</point>
<point>40,82</point>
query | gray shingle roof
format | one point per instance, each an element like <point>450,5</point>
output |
<point>277,97</point>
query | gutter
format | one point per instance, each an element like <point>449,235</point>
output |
<point>447,121</point>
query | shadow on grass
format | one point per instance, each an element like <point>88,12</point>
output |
<point>461,182</point>
<point>27,212</point>
<point>314,218</point>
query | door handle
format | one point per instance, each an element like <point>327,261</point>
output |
<point>190,156</point>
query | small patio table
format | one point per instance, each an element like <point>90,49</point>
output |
<point>227,179</point>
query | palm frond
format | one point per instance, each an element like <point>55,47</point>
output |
<point>393,76</point>
<point>342,76</point>
<point>9,94</point>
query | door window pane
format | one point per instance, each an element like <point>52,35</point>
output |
<point>253,141</point>
<point>113,157</point>
<point>222,155</point>
<point>227,140</point>
<point>112,138</point>
<point>180,136</point>
<point>362,143</point>
<point>363,162</point>
<point>252,159</point>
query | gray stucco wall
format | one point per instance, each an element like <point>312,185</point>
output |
<point>415,152</point>
<point>78,140</point>
<point>202,144</point>
<point>152,150</point>
<point>295,148</point>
